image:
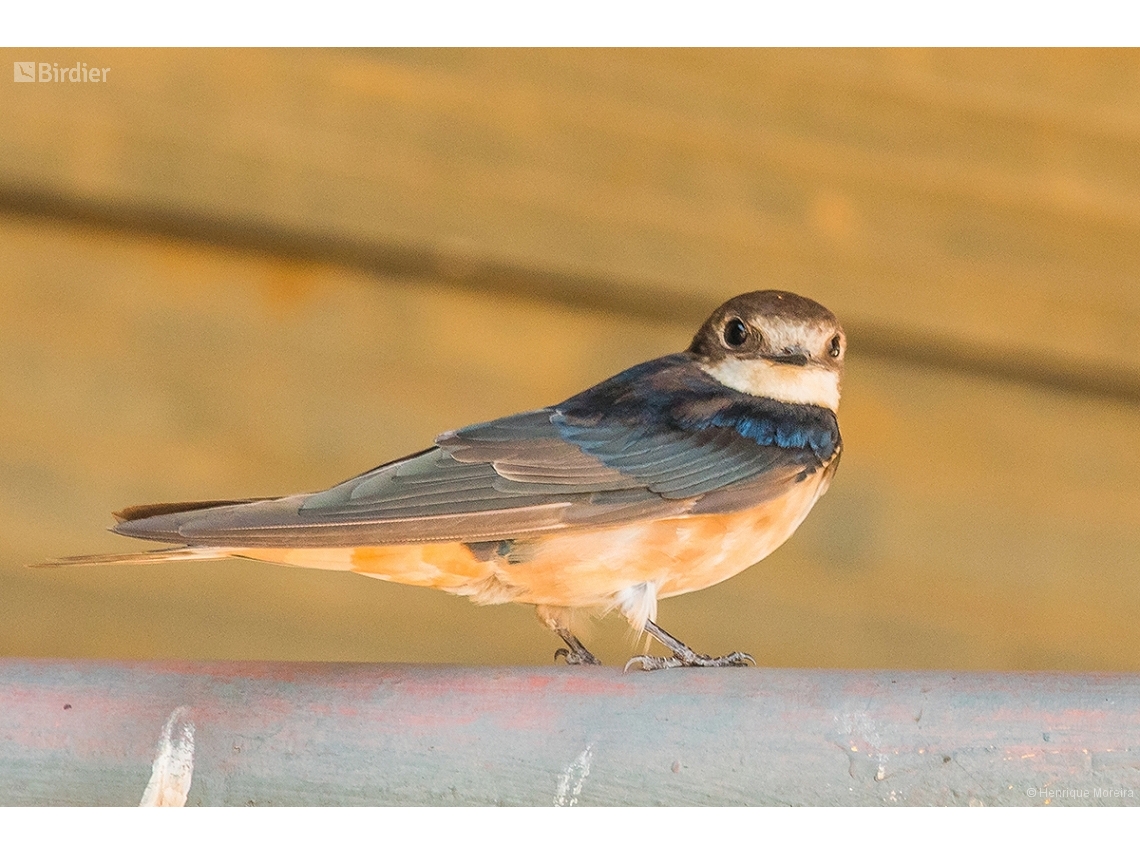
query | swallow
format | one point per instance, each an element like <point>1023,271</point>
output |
<point>667,478</point>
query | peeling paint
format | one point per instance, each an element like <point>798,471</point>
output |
<point>861,731</point>
<point>172,769</point>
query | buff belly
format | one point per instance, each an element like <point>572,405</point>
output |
<point>583,568</point>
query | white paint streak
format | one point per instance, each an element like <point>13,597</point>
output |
<point>570,782</point>
<point>860,728</point>
<point>170,774</point>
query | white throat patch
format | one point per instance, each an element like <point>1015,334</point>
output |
<point>792,384</point>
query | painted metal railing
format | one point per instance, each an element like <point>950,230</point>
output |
<point>79,732</point>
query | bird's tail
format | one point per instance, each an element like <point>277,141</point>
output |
<point>157,556</point>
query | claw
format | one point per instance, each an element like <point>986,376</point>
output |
<point>577,657</point>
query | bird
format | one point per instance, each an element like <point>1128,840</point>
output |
<point>667,478</point>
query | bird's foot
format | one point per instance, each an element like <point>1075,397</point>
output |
<point>683,655</point>
<point>693,660</point>
<point>575,652</point>
<point>577,657</point>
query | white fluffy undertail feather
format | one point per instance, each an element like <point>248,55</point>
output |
<point>638,603</point>
<point>157,556</point>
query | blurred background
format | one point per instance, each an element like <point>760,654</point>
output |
<point>256,272</point>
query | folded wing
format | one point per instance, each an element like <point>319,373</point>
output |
<point>534,472</point>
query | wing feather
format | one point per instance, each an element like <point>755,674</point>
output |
<point>593,460</point>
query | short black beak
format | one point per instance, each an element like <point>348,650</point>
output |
<point>790,358</point>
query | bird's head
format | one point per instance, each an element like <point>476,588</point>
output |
<point>774,344</point>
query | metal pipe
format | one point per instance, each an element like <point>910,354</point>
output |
<point>236,733</point>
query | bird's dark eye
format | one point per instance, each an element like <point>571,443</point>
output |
<point>834,349</point>
<point>735,332</point>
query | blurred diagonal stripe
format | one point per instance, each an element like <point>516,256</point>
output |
<point>637,299</point>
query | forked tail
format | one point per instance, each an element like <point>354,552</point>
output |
<point>157,556</point>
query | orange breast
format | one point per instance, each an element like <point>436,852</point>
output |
<point>584,568</point>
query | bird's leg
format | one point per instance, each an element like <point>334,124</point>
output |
<point>683,656</point>
<point>558,619</point>
<point>577,654</point>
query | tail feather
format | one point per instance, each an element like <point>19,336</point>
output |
<point>157,556</point>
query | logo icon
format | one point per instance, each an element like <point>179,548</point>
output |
<point>24,72</point>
